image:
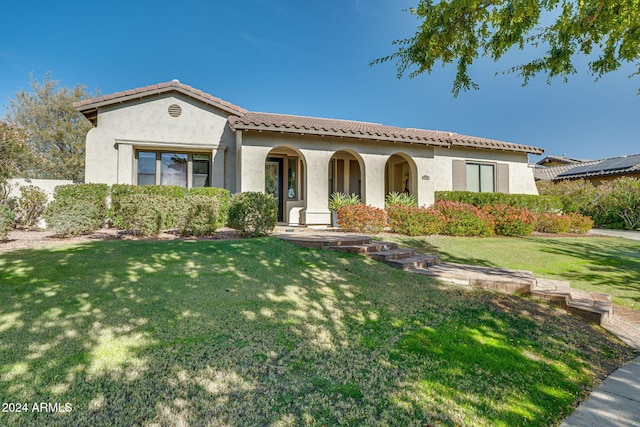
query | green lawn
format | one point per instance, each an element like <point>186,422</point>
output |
<point>608,265</point>
<point>259,332</point>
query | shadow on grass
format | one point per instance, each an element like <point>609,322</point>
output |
<point>258,332</point>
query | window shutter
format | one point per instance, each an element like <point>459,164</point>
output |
<point>503,178</point>
<point>459,177</point>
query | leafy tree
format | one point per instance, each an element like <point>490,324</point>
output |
<point>460,31</point>
<point>56,130</point>
<point>14,151</point>
<point>623,199</point>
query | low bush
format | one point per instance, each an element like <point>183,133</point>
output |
<point>532,202</point>
<point>93,193</point>
<point>223,198</point>
<point>511,220</point>
<point>552,223</point>
<point>394,198</point>
<point>362,219</point>
<point>579,223</point>
<point>6,220</point>
<point>464,219</point>
<point>118,193</point>
<point>172,191</point>
<point>72,217</point>
<point>199,216</point>
<point>30,206</point>
<point>148,214</point>
<point>415,221</point>
<point>253,214</point>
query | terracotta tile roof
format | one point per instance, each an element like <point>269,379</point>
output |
<point>550,173</point>
<point>364,130</point>
<point>605,167</point>
<point>87,106</point>
<point>242,119</point>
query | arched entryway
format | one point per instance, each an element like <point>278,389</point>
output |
<point>400,175</point>
<point>346,171</point>
<point>285,180</point>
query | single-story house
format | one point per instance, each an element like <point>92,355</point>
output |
<point>596,171</point>
<point>171,133</point>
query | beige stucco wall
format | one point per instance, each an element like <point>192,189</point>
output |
<point>146,124</point>
<point>431,168</point>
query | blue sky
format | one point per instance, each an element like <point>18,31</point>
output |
<point>308,58</point>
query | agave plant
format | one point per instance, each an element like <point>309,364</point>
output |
<point>395,198</point>
<point>338,200</point>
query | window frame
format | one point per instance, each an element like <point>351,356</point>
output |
<point>494,168</point>
<point>158,165</point>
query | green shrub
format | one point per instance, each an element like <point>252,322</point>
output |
<point>623,200</point>
<point>575,196</point>
<point>510,220</point>
<point>6,220</point>
<point>72,217</point>
<point>118,193</point>
<point>579,223</point>
<point>463,219</point>
<point>415,221</point>
<point>362,219</point>
<point>199,216</point>
<point>92,193</point>
<point>149,214</point>
<point>394,198</point>
<point>221,195</point>
<point>552,223</point>
<point>173,191</point>
<point>530,202</point>
<point>30,206</point>
<point>253,214</point>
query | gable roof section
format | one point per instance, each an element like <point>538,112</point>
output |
<point>561,159</point>
<point>364,130</point>
<point>605,167</point>
<point>242,119</point>
<point>89,107</point>
<point>550,173</point>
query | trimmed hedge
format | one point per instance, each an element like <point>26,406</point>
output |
<point>69,216</point>
<point>222,197</point>
<point>531,202</point>
<point>199,216</point>
<point>511,220</point>
<point>579,223</point>
<point>552,223</point>
<point>415,221</point>
<point>253,214</point>
<point>146,214</point>
<point>362,219</point>
<point>464,219</point>
<point>93,193</point>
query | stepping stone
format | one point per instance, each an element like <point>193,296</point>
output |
<point>415,262</point>
<point>366,248</point>
<point>396,253</point>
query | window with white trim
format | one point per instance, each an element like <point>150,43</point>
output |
<point>173,168</point>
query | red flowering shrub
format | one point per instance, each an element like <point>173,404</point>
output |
<point>362,219</point>
<point>552,223</point>
<point>579,223</point>
<point>464,220</point>
<point>415,221</point>
<point>511,221</point>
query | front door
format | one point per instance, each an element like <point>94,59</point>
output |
<point>273,182</point>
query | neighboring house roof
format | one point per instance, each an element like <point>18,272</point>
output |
<point>561,159</point>
<point>242,119</point>
<point>606,167</point>
<point>89,107</point>
<point>550,173</point>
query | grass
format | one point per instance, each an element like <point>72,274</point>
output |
<point>259,332</point>
<point>607,265</point>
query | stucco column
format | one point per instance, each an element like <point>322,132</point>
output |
<point>252,167</point>
<point>374,178</point>
<point>125,164</point>
<point>317,187</point>
<point>217,165</point>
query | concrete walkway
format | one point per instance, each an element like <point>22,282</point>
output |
<point>625,234</point>
<point>615,403</point>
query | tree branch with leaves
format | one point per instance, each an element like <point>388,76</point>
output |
<point>461,31</point>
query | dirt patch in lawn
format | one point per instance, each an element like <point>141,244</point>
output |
<point>25,239</point>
